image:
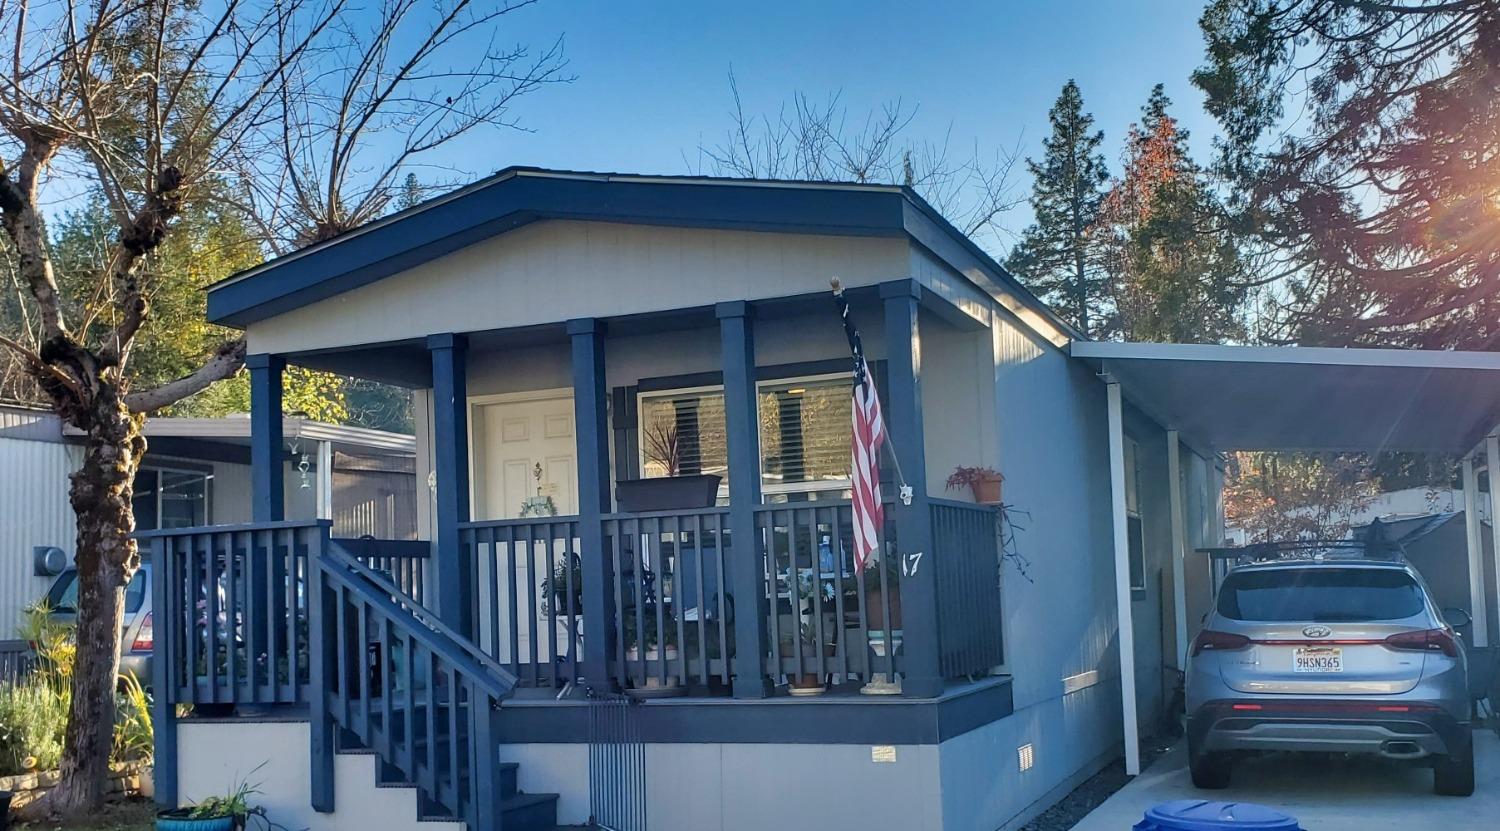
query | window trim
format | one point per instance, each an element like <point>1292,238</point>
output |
<point>817,486</point>
<point>173,466</point>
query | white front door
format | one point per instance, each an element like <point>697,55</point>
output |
<point>517,440</point>
<point>523,450</point>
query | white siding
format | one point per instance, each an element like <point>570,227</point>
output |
<point>34,511</point>
<point>549,272</point>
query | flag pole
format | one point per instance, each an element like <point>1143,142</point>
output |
<point>903,490</point>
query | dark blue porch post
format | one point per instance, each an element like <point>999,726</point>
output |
<point>747,579</point>
<point>267,485</point>
<point>921,677</point>
<point>591,426</point>
<point>450,443</point>
<point>267,481</point>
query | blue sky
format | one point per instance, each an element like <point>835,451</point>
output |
<point>651,77</point>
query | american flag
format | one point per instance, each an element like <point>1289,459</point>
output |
<point>868,436</point>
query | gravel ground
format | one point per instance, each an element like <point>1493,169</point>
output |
<point>1097,788</point>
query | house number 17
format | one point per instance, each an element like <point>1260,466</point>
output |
<point>909,564</point>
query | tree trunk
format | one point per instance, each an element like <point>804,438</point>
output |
<point>106,559</point>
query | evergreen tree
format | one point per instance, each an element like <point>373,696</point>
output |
<point>1175,272</point>
<point>1365,141</point>
<point>1055,256</point>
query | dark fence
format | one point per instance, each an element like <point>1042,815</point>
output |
<point>17,660</point>
<point>526,595</point>
<point>965,539</point>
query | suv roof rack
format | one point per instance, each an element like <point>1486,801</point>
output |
<point>1309,551</point>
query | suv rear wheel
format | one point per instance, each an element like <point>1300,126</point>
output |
<point>1452,775</point>
<point>1210,770</point>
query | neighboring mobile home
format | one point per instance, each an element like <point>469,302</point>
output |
<point>607,631</point>
<point>196,472</point>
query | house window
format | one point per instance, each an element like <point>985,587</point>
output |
<point>804,436</point>
<point>805,427</point>
<point>1135,529</point>
<point>170,498</point>
<point>683,433</point>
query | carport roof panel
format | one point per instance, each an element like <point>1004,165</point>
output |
<point>1308,398</point>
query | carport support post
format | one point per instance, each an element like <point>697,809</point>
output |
<point>1122,577</point>
<point>1474,540</point>
<point>1179,546</point>
<point>1492,460</point>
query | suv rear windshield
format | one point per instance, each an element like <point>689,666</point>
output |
<point>1326,595</point>
<point>63,596</point>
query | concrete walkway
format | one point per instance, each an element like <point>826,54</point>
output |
<point>1322,793</point>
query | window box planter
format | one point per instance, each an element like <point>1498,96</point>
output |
<point>667,493</point>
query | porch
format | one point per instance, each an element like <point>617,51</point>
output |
<point>741,608</point>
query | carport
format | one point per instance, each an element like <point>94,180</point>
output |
<point>1214,399</point>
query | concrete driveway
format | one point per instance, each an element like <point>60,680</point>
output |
<point>1324,795</point>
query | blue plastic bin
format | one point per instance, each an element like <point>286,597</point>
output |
<point>1200,815</point>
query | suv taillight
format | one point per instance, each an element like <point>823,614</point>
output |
<point>144,636</point>
<point>1208,639</point>
<point>1434,640</point>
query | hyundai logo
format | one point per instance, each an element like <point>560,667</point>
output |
<point>1317,631</point>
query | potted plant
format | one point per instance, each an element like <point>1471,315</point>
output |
<point>228,812</point>
<point>566,581</point>
<point>645,645</point>
<point>984,482</point>
<point>798,637</point>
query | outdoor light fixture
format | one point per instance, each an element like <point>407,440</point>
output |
<point>1026,756</point>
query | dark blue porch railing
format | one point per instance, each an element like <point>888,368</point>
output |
<point>230,611</point>
<point>526,595</point>
<point>965,540</point>
<point>418,694</point>
<point>830,620</point>
<point>675,605</point>
<point>670,589</point>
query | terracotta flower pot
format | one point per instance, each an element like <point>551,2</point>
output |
<point>987,489</point>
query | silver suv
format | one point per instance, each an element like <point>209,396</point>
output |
<point>1329,654</point>
<point>136,632</point>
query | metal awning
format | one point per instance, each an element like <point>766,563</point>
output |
<point>1308,398</point>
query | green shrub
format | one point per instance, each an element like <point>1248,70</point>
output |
<point>34,709</point>
<point>134,736</point>
<point>32,718</point>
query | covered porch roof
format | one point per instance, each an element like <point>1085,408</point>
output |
<point>1307,398</point>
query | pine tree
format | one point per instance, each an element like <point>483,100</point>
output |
<point>1055,256</point>
<point>1174,272</point>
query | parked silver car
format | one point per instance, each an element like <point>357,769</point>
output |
<point>1329,654</point>
<point>135,635</point>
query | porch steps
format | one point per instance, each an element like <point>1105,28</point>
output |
<point>521,811</point>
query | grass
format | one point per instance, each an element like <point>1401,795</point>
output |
<point>126,815</point>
